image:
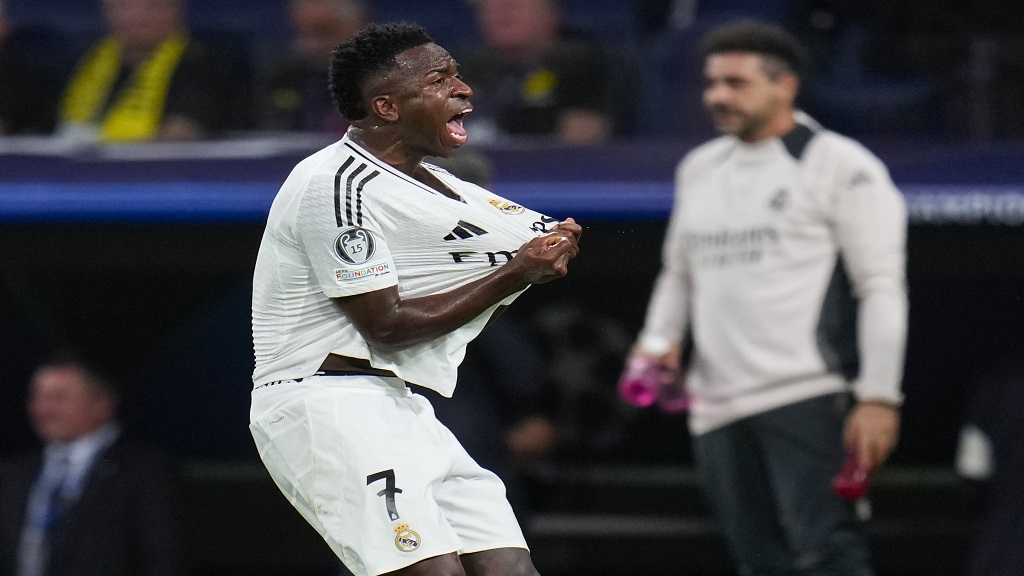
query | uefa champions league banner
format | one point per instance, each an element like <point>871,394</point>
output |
<point>200,201</point>
<point>964,204</point>
<point>927,204</point>
<point>236,180</point>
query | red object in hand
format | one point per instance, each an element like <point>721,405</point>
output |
<point>851,483</point>
<point>640,385</point>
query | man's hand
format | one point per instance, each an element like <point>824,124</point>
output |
<point>872,430</point>
<point>669,364</point>
<point>546,257</point>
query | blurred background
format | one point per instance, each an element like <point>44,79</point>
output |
<point>140,254</point>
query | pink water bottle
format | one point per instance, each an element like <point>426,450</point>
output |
<point>851,482</point>
<point>640,385</point>
<point>640,382</point>
<point>673,397</point>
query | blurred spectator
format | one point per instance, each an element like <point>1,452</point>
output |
<point>296,95</point>
<point>530,78</point>
<point>146,80</point>
<point>657,16</point>
<point>92,501</point>
<point>991,457</point>
<point>969,52</point>
<point>27,99</point>
<point>856,83</point>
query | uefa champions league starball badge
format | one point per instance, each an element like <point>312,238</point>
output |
<point>405,539</point>
<point>354,245</point>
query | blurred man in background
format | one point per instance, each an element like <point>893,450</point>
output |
<point>93,501</point>
<point>531,79</point>
<point>295,97</point>
<point>785,257</point>
<point>146,80</point>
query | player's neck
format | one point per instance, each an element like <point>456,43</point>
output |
<point>427,178</point>
<point>387,147</point>
<point>394,152</point>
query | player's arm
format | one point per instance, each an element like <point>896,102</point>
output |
<point>871,231</point>
<point>389,322</point>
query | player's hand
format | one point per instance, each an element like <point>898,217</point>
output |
<point>872,430</point>
<point>547,257</point>
<point>570,225</point>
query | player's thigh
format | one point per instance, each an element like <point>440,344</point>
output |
<point>365,466</point>
<point>282,428</point>
<point>474,504</point>
<point>499,562</point>
<point>444,565</point>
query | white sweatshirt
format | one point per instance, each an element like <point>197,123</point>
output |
<point>786,259</point>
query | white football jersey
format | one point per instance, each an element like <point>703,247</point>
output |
<point>346,223</point>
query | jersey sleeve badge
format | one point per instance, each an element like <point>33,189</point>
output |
<point>354,246</point>
<point>362,259</point>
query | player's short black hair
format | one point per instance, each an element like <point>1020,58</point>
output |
<point>369,52</point>
<point>782,51</point>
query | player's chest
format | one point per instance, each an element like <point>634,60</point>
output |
<point>487,231</point>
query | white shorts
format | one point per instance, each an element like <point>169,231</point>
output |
<point>367,464</point>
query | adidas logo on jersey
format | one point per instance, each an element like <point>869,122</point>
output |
<point>464,230</point>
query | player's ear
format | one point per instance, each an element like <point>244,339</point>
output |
<point>384,107</point>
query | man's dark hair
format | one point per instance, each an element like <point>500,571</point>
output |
<point>95,379</point>
<point>369,52</point>
<point>780,49</point>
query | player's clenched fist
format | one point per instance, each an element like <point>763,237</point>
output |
<point>570,226</point>
<point>546,257</point>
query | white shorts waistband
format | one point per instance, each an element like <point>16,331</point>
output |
<point>361,382</point>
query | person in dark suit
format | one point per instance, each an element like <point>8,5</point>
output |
<point>93,501</point>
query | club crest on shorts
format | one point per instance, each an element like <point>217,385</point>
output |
<point>405,539</point>
<point>506,207</point>
<point>354,245</point>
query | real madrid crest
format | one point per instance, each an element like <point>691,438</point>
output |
<point>506,207</point>
<point>354,245</point>
<point>405,539</point>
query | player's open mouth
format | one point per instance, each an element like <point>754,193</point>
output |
<point>455,128</point>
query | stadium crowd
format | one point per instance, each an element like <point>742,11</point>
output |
<point>908,69</point>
